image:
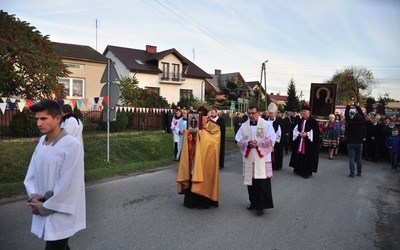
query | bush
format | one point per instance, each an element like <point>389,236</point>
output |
<point>120,123</point>
<point>78,113</point>
<point>23,124</point>
<point>189,101</point>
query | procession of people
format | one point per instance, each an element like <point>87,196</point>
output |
<point>264,137</point>
<point>199,146</point>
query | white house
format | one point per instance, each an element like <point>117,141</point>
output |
<point>167,73</point>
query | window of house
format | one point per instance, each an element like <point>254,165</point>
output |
<point>165,69</point>
<point>176,72</point>
<point>139,61</point>
<point>185,93</point>
<point>73,87</point>
<point>153,90</point>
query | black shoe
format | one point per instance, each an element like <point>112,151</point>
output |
<point>306,176</point>
<point>260,212</point>
<point>358,174</point>
<point>250,207</point>
<point>351,175</point>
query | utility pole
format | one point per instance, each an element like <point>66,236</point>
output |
<point>263,73</point>
<point>301,95</point>
<point>96,34</point>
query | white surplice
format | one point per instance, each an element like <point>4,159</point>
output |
<point>58,168</point>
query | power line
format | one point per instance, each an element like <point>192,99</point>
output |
<point>203,30</point>
<point>190,23</point>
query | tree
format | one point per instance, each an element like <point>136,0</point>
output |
<point>381,107</point>
<point>209,96</point>
<point>187,102</point>
<point>255,101</point>
<point>134,96</point>
<point>353,81</point>
<point>386,98</point>
<point>369,106</point>
<point>231,89</point>
<point>292,101</point>
<point>29,66</point>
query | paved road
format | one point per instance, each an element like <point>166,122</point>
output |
<point>327,211</point>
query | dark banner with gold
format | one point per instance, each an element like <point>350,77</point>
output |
<point>322,100</point>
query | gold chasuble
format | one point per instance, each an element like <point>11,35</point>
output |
<point>199,161</point>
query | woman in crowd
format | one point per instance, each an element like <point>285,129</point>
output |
<point>339,119</point>
<point>331,135</point>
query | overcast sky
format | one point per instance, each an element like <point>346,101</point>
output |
<point>308,40</point>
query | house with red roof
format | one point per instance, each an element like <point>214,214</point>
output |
<point>255,85</point>
<point>278,99</point>
<point>167,73</point>
<point>211,85</point>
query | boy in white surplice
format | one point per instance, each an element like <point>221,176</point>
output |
<point>55,180</point>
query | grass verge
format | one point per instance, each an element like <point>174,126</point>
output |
<point>130,153</point>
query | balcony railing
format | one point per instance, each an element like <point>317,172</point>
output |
<point>171,78</point>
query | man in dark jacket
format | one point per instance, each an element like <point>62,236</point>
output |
<point>221,123</point>
<point>277,155</point>
<point>356,135</point>
<point>237,122</point>
<point>375,139</point>
<point>285,125</point>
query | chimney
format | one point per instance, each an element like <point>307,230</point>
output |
<point>217,72</point>
<point>151,49</point>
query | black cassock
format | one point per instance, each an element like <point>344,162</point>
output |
<point>285,127</point>
<point>221,123</point>
<point>277,155</point>
<point>306,164</point>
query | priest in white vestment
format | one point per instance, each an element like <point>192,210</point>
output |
<point>256,138</point>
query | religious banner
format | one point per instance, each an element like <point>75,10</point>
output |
<point>194,121</point>
<point>322,100</point>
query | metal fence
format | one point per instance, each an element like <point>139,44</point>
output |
<point>93,122</point>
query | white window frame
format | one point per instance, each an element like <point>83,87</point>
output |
<point>70,89</point>
<point>165,73</point>
<point>176,73</point>
<point>185,93</point>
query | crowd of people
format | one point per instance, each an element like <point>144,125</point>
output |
<point>55,178</point>
<point>378,145</point>
<point>265,137</point>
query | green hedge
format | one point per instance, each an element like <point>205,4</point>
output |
<point>120,123</point>
<point>23,124</point>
